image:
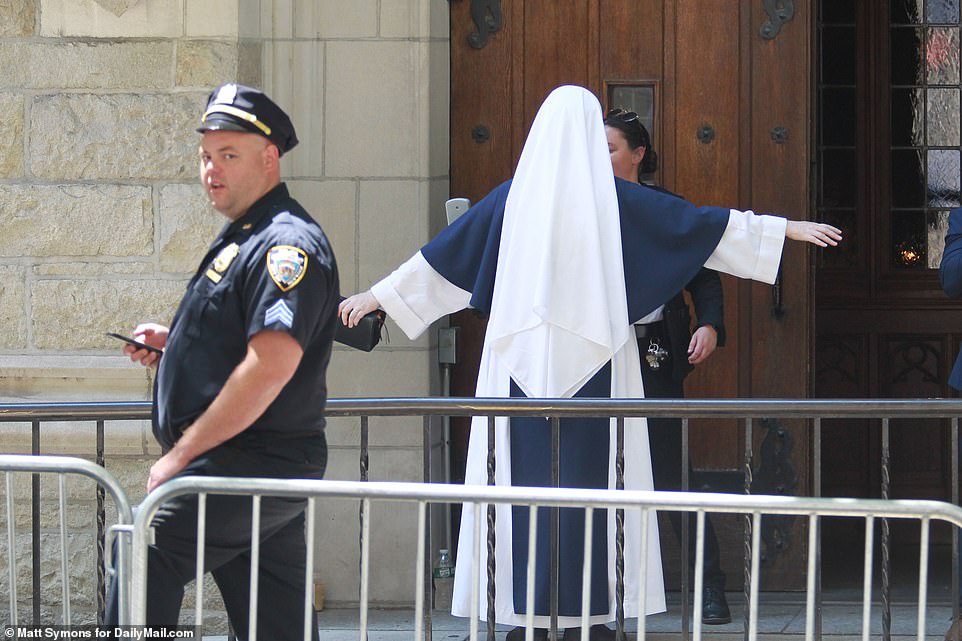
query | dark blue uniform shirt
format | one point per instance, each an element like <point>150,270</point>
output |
<point>950,272</point>
<point>272,269</point>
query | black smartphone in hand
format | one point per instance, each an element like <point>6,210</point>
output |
<point>137,344</point>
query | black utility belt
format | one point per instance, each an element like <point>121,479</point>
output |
<point>271,437</point>
<point>649,329</point>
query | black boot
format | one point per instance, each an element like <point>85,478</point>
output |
<point>714,607</point>
<point>517,634</point>
<point>597,632</point>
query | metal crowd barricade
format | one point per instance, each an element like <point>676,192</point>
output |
<point>748,411</point>
<point>753,507</point>
<point>63,466</point>
<point>99,413</point>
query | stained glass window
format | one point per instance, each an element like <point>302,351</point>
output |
<point>925,134</point>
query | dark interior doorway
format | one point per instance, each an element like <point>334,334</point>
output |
<point>887,155</point>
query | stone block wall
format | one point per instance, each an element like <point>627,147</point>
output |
<point>102,219</point>
<point>99,207</point>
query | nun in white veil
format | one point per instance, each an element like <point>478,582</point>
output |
<point>558,315</point>
<point>563,259</point>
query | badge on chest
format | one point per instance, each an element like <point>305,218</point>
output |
<point>222,261</point>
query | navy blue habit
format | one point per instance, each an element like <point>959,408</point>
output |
<point>664,242</point>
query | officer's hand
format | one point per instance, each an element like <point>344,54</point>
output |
<point>154,335</point>
<point>703,343</point>
<point>166,468</point>
<point>353,309</point>
<point>820,234</point>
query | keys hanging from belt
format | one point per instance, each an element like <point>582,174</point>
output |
<point>656,354</point>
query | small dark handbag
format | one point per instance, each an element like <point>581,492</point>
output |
<point>363,336</point>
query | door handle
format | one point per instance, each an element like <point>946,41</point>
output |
<point>778,303</point>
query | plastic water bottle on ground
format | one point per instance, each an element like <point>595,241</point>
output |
<point>443,581</point>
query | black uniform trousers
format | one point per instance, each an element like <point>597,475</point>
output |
<point>664,438</point>
<point>227,556</point>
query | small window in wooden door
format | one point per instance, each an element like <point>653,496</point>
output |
<point>639,98</point>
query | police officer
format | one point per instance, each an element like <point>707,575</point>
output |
<point>669,350</point>
<point>240,387</point>
<point>667,356</point>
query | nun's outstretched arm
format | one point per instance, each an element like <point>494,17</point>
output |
<point>751,246</point>
<point>414,296</point>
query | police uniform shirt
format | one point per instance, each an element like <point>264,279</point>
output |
<point>272,269</point>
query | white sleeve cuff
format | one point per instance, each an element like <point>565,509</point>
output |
<point>415,295</point>
<point>751,246</point>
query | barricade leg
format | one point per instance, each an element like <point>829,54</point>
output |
<point>63,467</point>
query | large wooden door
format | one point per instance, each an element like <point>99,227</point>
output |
<point>888,171</point>
<point>726,84</point>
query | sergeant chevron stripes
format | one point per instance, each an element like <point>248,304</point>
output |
<point>279,312</point>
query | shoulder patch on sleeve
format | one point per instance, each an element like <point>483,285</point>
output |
<point>286,265</point>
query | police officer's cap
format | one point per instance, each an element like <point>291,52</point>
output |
<point>234,107</point>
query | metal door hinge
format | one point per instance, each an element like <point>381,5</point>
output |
<point>487,18</point>
<point>779,12</point>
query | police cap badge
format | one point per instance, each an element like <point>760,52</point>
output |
<point>234,107</point>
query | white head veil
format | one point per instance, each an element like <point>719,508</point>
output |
<point>559,309</point>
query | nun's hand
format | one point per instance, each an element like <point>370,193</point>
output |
<point>821,234</point>
<point>353,309</point>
